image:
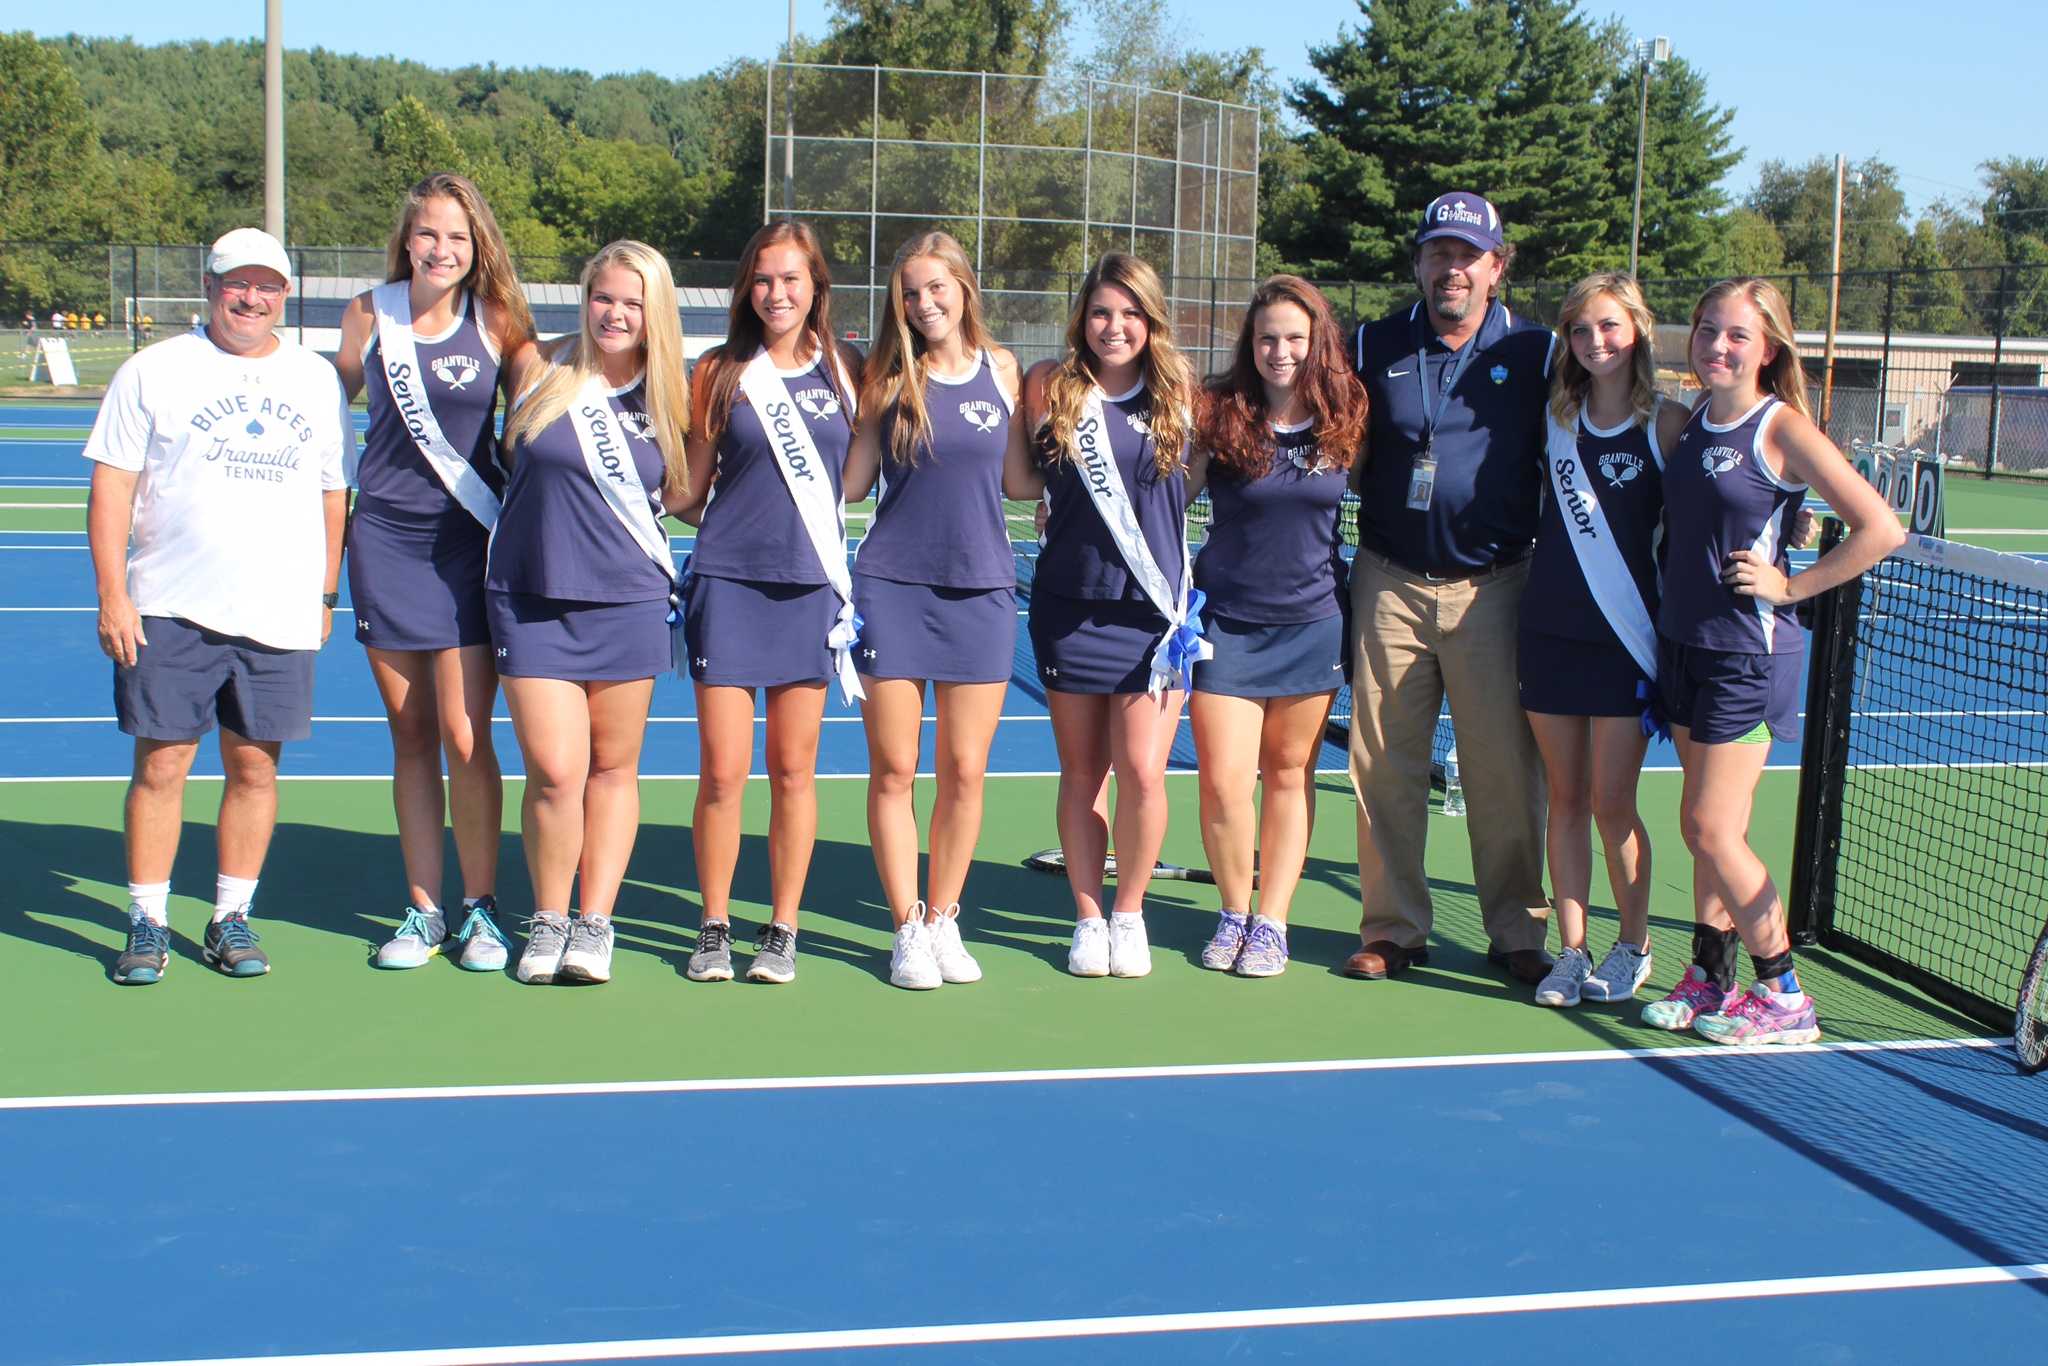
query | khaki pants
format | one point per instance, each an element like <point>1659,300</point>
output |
<point>1413,641</point>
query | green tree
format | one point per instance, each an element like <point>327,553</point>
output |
<point>412,143</point>
<point>1930,296</point>
<point>1017,37</point>
<point>1686,156</point>
<point>1800,200</point>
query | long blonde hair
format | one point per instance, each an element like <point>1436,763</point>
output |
<point>491,276</point>
<point>1571,384</point>
<point>895,369</point>
<point>572,364</point>
<point>1783,375</point>
<point>1168,376</point>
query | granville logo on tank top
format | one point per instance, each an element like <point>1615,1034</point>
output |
<point>639,426</point>
<point>1141,421</point>
<point>981,414</point>
<point>1718,460</point>
<point>820,402</point>
<point>456,371</point>
<point>1619,467</point>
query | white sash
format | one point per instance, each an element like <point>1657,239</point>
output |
<point>1614,589</point>
<point>810,488</point>
<point>1182,647</point>
<point>610,462</point>
<point>393,304</point>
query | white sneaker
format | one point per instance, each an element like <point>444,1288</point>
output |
<point>1130,952</point>
<point>547,939</point>
<point>956,964</point>
<point>1620,974</point>
<point>911,964</point>
<point>1089,957</point>
<point>1560,986</point>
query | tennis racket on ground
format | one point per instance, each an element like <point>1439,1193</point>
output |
<point>1054,861</point>
<point>2030,1019</point>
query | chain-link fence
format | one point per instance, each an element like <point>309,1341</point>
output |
<point>1951,362</point>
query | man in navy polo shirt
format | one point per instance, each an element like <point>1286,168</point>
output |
<point>1447,515</point>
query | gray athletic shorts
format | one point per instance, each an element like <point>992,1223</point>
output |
<point>187,679</point>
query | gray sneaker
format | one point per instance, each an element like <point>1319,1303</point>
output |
<point>712,961</point>
<point>483,944</point>
<point>421,935</point>
<point>774,954</point>
<point>1620,974</point>
<point>547,938</point>
<point>1560,986</point>
<point>589,955</point>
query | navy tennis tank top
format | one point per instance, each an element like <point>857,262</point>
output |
<point>1274,552</point>
<point>751,529</point>
<point>1080,558</point>
<point>1626,471</point>
<point>940,520</point>
<point>459,379</point>
<point>557,536</point>
<point>1720,496</point>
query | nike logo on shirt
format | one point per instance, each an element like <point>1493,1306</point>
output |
<point>1396,374</point>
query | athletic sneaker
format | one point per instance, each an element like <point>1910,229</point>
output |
<point>483,944</point>
<point>1265,950</point>
<point>774,954</point>
<point>956,964</point>
<point>712,960</point>
<point>547,939</point>
<point>588,958</point>
<point>231,946</point>
<point>1560,986</point>
<point>148,955</point>
<point>1089,955</point>
<point>1620,974</point>
<point>912,965</point>
<point>1695,995</point>
<point>420,936</point>
<point>1757,1016</point>
<point>1220,953</point>
<point>1130,953</point>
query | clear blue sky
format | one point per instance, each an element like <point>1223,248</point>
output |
<point>1932,89</point>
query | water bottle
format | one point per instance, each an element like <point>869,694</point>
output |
<point>1454,793</point>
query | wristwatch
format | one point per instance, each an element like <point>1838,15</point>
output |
<point>329,599</point>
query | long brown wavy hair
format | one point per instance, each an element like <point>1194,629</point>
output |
<point>1783,375</point>
<point>895,369</point>
<point>1234,424</point>
<point>491,277</point>
<point>1169,378</point>
<point>744,333</point>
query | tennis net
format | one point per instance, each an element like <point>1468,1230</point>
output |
<point>1924,775</point>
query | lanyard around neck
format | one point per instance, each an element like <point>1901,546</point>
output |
<point>1433,395</point>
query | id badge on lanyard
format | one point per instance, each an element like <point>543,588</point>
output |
<point>1422,482</point>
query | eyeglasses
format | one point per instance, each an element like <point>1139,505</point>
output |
<point>260,290</point>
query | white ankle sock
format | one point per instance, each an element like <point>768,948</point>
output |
<point>232,895</point>
<point>153,899</point>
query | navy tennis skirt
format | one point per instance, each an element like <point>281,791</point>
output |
<point>417,585</point>
<point>923,631</point>
<point>583,642</point>
<point>1089,646</point>
<point>746,633</point>
<point>1253,659</point>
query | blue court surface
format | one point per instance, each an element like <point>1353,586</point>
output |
<point>1846,1203</point>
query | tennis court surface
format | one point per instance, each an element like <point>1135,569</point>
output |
<point>336,1164</point>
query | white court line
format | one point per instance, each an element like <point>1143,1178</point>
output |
<point>498,720</point>
<point>1126,1325</point>
<point>703,1085</point>
<point>79,506</point>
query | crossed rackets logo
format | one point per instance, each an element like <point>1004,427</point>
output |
<point>457,371</point>
<point>1618,469</point>
<point>818,402</point>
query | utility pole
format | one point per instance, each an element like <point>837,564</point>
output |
<point>1651,52</point>
<point>273,118</point>
<point>1827,372</point>
<point>789,121</point>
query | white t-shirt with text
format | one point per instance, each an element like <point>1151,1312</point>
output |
<point>234,453</point>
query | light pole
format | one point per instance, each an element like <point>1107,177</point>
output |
<point>1650,53</point>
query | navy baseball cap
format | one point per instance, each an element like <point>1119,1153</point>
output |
<point>1463,215</point>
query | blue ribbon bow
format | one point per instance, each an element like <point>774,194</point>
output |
<point>1181,647</point>
<point>1656,725</point>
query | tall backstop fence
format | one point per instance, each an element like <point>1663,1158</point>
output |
<point>1949,362</point>
<point>1035,176</point>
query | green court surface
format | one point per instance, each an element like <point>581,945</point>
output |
<point>325,1019</point>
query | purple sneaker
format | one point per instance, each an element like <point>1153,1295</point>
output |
<point>1695,995</point>
<point>1757,1017</point>
<point>1220,953</point>
<point>1265,950</point>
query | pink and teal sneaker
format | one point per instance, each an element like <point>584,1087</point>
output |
<point>1695,995</point>
<point>1758,1017</point>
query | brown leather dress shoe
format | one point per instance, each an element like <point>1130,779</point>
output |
<point>1381,959</point>
<point>1529,966</point>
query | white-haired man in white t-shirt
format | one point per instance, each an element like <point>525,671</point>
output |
<point>216,517</point>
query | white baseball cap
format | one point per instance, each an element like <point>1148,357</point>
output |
<point>247,247</point>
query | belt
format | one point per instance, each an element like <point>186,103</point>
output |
<point>1455,575</point>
